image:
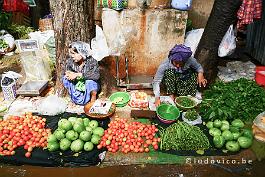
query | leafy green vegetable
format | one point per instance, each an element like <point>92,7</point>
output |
<point>233,100</point>
<point>3,44</point>
<point>185,102</point>
<point>191,115</point>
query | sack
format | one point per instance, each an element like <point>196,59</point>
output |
<point>228,44</point>
<point>113,4</point>
<point>181,4</point>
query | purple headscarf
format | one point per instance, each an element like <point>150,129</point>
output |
<point>179,53</point>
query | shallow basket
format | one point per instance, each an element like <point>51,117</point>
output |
<point>183,107</point>
<point>99,116</point>
<point>167,113</point>
<point>126,98</point>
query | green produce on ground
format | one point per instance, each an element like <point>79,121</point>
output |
<point>93,124</point>
<point>244,142</point>
<point>65,144</point>
<point>71,135</point>
<point>59,134</point>
<point>85,135</point>
<point>182,136</point>
<point>95,139</point>
<point>52,138</point>
<point>218,141</point>
<point>237,123</point>
<point>98,131</point>
<point>232,146</point>
<point>209,125</point>
<point>215,132</point>
<point>53,146</point>
<point>228,136</point>
<point>217,123</point>
<point>247,133</point>
<point>79,127</point>
<point>233,100</point>
<point>77,145</point>
<point>88,146</point>
<point>233,137</point>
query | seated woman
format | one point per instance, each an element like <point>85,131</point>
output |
<point>81,74</point>
<point>180,74</point>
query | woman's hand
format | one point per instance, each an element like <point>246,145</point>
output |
<point>201,80</point>
<point>157,101</point>
<point>71,75</point>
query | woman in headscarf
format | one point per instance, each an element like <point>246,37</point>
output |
<point>180,74</point>
<point>81,74</point>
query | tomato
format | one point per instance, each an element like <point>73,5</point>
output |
<point>28,154</point>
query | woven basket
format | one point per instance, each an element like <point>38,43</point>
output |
<point>45,24</point>
<point>98,116</point>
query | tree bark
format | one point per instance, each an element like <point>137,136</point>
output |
<point>223,14</point>
<point>73,20</point>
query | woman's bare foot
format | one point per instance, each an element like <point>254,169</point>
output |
<point>93,96</point>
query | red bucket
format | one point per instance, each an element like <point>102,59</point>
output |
<point>260,75</point>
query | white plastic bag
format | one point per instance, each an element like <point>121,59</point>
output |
<point>52,105</point>
<point>99,45</point>
<point>193,38</point>
<point>228,44</point>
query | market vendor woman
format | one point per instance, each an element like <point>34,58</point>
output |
<point>81,74</point>
<point>180,73</point>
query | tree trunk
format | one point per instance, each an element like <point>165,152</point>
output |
<point>223,14</point>
<point>1,4</point>
<point>73,20</point>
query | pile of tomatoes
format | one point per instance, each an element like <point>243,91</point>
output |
<point>130,136</point>
<point>26,130</point>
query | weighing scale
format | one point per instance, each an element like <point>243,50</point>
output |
<point>32,88</point>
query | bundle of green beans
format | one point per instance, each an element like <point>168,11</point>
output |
<point>182,136</point>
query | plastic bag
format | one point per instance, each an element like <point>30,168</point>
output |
<point>36,65</point>
<point>99,45</point>
<point>228,44</point>
<point>52,105</point>
<point>181,4</point>
<point>193,38</point>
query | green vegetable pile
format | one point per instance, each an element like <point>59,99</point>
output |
<point>3,44</point>
<point>185,102</point>
<point>182,136</point>
<point>191,115</point>
<point>232,136</point>
<point>241,99</point>
<point>76,134</point>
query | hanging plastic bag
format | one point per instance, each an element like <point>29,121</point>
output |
<point>181,4</point>
<point>228,44</point>
<point>99,45</point>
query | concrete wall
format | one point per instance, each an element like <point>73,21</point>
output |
<point>200,12</point>
<point>148,36</point>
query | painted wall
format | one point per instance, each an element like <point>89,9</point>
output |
<point>200,12</point>
<point>148,36</point>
